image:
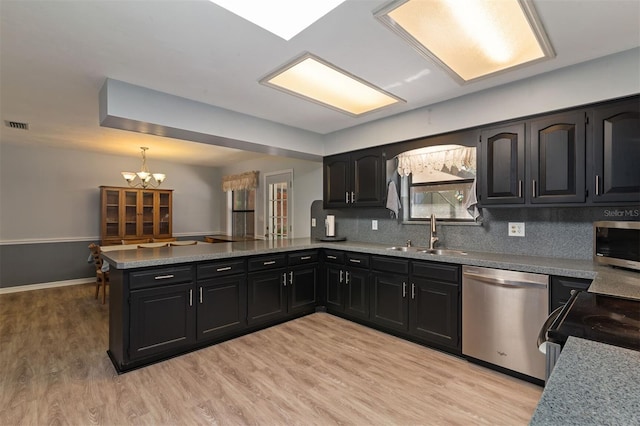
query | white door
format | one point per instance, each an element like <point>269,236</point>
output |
<point>278,209</point>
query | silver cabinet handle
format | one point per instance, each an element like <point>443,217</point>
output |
<point>346,197</point>
<point>352,197</point>
<point>305,258</point>
<point>413,291</point>
<point>331,257</point>
<point>191,297</point>
<point>284,279</point>
<point>534,189</point>
<point>341,273</point>
<point>291,277</point>
<point>354,260</point>
<point>346,277</point>
<point>200,294</point>
<point>163,277</point>
<point>226,268</point>
<point>597,184</point>
<point>404,290</point>
<point>519,189</point>
<point>269,262</point>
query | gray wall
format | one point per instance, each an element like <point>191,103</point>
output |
<point>50,207</point>
<point>549,232</point>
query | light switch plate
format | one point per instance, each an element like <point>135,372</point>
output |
<point>516,229</point>
<point>374,225</point>
<point>313,222</point>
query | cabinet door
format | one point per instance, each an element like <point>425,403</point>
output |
<point>557,159</point>
<point>302,289</point>
<point>131,214</point>
<point>221,306</point>
<point>147,213</point>
<point>389,301</point>
<point>266,296</point>
<point>162,319</point>
<point>356,296</point>
<point>434,312</point>
<point>616,153</point>
<point>163,214</point>
<point>334,278</point>
<point>368,181</point>
<point>336,182</point>
<point>112,229</point>
<point>502,168</point>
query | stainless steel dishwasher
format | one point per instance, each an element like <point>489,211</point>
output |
<point>502,312</point>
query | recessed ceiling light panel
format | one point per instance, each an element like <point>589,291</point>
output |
<point>284,18</point>
<point>314,79</point>
<point>470,39</point>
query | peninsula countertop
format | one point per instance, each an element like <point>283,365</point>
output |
<point>592,384</point>
<point>606,280</point>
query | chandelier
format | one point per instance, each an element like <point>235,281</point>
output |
<point>144,174</point>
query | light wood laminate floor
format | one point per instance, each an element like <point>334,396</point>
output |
<point>316,370</point>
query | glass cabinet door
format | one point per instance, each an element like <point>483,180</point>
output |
<point>164,213</point>
<point>130,213</point>
<point>147,213</point>
<point>112,213</point>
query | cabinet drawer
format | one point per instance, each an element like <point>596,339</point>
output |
<point>260,263</point>
<point>437,271</point>
<point>333,256</point>
<point>303,257</point>
<point>388,264</point>
<point>222,268</point>
<point>357,259</point>
<point>161,276</point>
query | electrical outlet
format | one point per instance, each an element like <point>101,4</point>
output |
<point>313,222</point>
<point>374,225</point>
<point>516,229</point>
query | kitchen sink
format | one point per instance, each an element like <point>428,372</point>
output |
<point>444,252</point>
<point>441,252</point>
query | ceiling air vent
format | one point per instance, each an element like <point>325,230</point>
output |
<point>17,125</point>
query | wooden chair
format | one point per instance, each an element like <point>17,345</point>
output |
<point>183,243</point>
<point>137,241</point>
<point>164,240</point>
<point>102,278</point>
<point>153,245</point>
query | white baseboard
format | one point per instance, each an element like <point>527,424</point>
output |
<point>40,286</point>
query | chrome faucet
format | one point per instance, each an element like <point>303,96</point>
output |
<point>434,238</point>
<point>408,243</point>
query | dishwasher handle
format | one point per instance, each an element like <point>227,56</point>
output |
<point>504,282</point>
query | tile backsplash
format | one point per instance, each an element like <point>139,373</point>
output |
<point>549,232</point>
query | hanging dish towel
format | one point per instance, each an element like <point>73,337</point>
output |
<point>472,204</point>
<point>393,200</point>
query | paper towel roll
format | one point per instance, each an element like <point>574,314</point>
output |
<point>330,225</point>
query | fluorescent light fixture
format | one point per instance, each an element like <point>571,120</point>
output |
<point>314,79</point>
<point>284,18</point>
<point>471,39</point>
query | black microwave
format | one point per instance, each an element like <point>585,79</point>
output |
<point>617,243</point>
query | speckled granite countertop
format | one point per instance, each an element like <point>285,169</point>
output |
<point>591,384</point>
<point>607,280</point>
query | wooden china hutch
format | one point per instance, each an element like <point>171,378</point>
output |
<point>132,214</point>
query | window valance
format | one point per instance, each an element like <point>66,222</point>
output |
<point>247,180</point>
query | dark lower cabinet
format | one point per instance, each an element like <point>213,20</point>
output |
<point>161,319</point>
<point>222,307</point>
<point>346,287</point>
<point>303,289</point>
<point>389,307</point>
<point>435,308</point>
<point>434,312</point>
<point>356,296</point>
<point>334,292</point>
<point>266,292</point>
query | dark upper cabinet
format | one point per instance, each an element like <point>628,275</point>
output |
<point>162,319</point>
<point>557,149</point>
<point>354,179</point>
<point>616,153</point>
<point>502,162</point>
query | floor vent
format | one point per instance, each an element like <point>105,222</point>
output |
<point>17,125</point>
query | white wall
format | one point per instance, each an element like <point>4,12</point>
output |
<point>52,194</point>
<point>307,187</point>
<point>601,79</point>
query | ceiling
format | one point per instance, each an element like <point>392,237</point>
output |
<point>56,55</point>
